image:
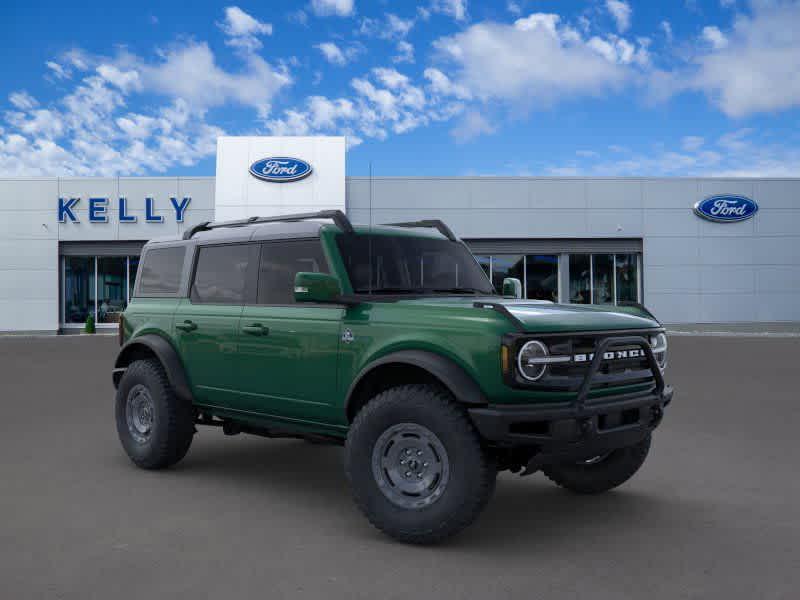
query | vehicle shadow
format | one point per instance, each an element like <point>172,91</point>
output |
<point>527,514</point>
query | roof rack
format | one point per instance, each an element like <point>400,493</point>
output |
<point>433,223</point>
<point>337,216</point>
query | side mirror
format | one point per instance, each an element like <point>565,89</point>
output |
<point>512,287</point>
<point>316,287</point>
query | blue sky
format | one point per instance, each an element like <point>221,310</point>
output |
<point>436,87</point>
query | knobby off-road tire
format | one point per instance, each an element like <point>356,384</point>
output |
<point>416,435</point>
<point>594,477</point>
<point>153,424</point>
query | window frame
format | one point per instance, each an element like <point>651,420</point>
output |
<point>137,293</point>
<point>248,291</point>
<point>257,275</point>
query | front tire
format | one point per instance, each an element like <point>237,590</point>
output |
<point>154,426</point>
<point>602,473</point>
<point>416,466</point>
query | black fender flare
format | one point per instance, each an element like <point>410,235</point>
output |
<point>453,376</point>
<point>166,354</point>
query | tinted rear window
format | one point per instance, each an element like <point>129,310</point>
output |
<point>161,271</point>
<point>220,275</point>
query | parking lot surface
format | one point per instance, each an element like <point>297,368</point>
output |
<point>714,513</point>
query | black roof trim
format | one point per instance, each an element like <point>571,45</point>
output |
<point>337,216</point>
<point>432,223</point>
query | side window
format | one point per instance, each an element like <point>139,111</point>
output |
<point>161,271</point>
<point>220,274</point>
<point>280,262</point>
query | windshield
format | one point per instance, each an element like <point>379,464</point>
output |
<point>410,265</point>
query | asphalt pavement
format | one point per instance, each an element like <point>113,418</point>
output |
<point>714,513</point>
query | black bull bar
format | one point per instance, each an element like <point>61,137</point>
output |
<point>581,428</point>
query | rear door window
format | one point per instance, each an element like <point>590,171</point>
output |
<point>161,270</point>
<point>220,275</point>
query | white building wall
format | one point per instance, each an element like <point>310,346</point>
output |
<point>30,233</point>
<point>695,271</point>
<point>28,255</point>
<point>239,194</point>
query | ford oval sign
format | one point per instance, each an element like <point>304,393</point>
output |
<point>280,169</point>
<point>726,209</point>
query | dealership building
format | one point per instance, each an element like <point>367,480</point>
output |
<point>693,250</point>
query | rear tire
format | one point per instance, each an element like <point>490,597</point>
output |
<point>416,466</point>
<point>154,426</point>
<point>602,473</point>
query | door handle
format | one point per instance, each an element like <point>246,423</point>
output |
<point>186,326</point>
<point>256,329</point>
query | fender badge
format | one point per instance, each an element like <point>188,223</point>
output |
<point>347,336</point>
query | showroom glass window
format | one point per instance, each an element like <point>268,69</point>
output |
<point>100,286</point>
<point>603,279</point>
<point>627,277</point>
<point>507,265</point>
<point>79,288</point>
<point>112,293</point>
<point>580,278</point>
<point>541,277</point>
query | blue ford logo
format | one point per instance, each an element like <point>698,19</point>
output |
<point>280,169</point>
<point>726,209</point>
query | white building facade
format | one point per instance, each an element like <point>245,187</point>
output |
<point>69,247</point>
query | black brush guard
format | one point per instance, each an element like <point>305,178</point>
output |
<point>585,427</point>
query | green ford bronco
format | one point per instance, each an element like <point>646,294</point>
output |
<point>391,341</point>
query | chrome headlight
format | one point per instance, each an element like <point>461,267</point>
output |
<point>532,360</point>
<point>659,345</point>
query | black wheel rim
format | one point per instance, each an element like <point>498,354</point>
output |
<point>410,465</point>
<point>139,413</point>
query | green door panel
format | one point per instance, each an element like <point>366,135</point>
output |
<point>207,336</point>
<point>287,360</point>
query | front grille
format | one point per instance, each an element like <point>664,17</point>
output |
<point>568,376</point>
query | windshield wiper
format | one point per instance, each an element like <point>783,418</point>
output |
<point>385,290</point>
<point>461,290</point>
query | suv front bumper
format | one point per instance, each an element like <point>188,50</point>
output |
<point>608,423</point>
<point>584,428</point>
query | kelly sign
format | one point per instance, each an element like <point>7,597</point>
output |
<point>99,209</point>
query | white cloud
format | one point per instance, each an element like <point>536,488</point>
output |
<point>22,100</point>
<point>692,143</point>
<point>336,55</point>
<point>91,131</point>
<point>190,72</point>
<point>514,8</point>
<point>243,29</point>
<point>325,8</point>
<point>440,84</point>
<point>391,27</point>
<point>405,53</point>
<point>735,154</point>
<point>537,60</point>
<point>715,37</point>
<point>666,27</point>
<point>621,11</point>
<point>397,26</point>
<point>385,101</point>
<point>57,70</point>
<point>453,8</point>
<point>758,70</point>
<point>471,125</point>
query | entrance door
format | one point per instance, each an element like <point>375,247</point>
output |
<point>206,323</point>
<point>288,352</point>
